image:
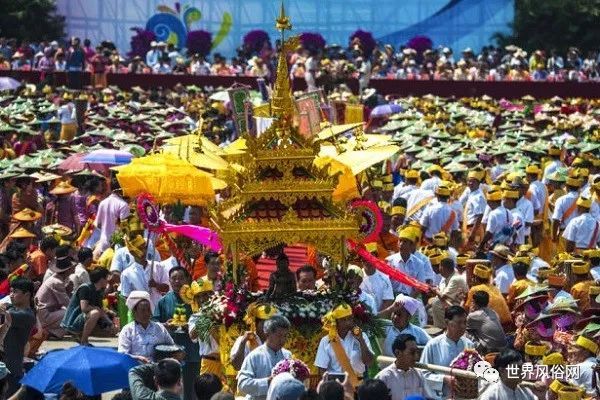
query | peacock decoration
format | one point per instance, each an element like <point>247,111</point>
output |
<point>174,25</point>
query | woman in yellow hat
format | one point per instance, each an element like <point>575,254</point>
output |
<point>63,209</point>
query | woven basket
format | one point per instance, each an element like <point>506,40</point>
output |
<point>469,388</point>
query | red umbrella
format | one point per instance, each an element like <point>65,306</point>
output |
<point>75,163</point>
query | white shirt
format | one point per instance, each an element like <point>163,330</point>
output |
<point>123,258</point>
<point>79,277</point>
<point>403,191</point>
<point>505,276</point>
<point>499,391</point>
<point>536,264</point>
<point>435,216</point>
<point>595,271</point>
<point>110,210</point>
<point>205,347</point>
<point>474,206</point>
<point>584,230</point>
<point>519,226</point>
<point>391,333</point>
<point>137,341</point>
<point>417,198</point>
<point>499,219</point>
<point>586,371</point>
<point>526,207</point>
<point>402,383</point>
<point>379,286</point>
<point>431,183</point>
<point>327,360</point>
<point>136,277</point>
<point>563,204</point>
<point>540,193</point>
<point>413,267</point>
<point>369,301</point>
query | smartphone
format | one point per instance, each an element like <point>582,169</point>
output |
<point>336,377</point>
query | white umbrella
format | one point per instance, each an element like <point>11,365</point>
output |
<point>7,83</point>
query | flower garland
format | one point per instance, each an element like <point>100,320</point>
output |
<point>296,368</point>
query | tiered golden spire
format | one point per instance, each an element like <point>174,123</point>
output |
<point>281,102</point>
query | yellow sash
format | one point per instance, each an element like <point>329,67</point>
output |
<point>344,361</point>
<point>414,209</point>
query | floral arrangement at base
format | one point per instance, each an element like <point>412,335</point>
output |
<point>140,42</point>
<point>199,42</point>
<point>296,368</point>
<point>466,361</point>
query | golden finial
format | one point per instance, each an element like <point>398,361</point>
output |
<point>283,22</point>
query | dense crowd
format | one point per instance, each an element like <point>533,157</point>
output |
<point>330,63</point>
<point>493,206</point>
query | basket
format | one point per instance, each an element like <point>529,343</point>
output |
<point>469,388</point>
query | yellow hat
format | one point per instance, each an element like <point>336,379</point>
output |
<point>412,174</point>
<point>388,187</point>
<point>105,259</point>
<point>440,239</point>
<point>580,268</point>
<point>398,210</point>
<point>258,311</point>
<point>462,259</point>
<point>556,385</point>
<point>63,188</point>
<point>435,168</point>
<point>594,290</point>
<point>554,151</point>
<point>582,172</point>
<point>533,169</point>
<point>436,256</point>
<point>22,233</point>
<point>494,196</point>
<point>570,393</point>
<point>371,247</point>
<point>584,202</point>
<point>482,271</point>
<point>188,293</point>
<point>587,344</point>
<point>591,253</point>
<point>522,260</point>
<point>409,232</point>
<point>555,358</point>
<point>27,215</point>
<point>510,194</point>
<point>535,349</point>
<point>135,245</point>
<point>384,206</point>
<point>575,182</point>
<point>387,178</point>
<point>476,174</point>
<point>377,184</point>
<point>356,270</point>
<point>329,320</point>
<point>443,189</point>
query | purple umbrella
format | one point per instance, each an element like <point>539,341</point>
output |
<point>7,83</point>
<point>386,109</point>
<point>109,157</point>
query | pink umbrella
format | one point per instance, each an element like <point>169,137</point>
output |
<point>75,163</point>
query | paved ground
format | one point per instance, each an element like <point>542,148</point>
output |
<point>66,344</point>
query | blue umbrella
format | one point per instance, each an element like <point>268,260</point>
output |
<point>93,370</point>
<point>7,83</point>
<point>386,109</point>
<point>108,156</point>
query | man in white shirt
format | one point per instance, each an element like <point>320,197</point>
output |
<point>85,256</point>
<point>452,290</point>
<point>377,285</point>
<point>407,262</point>
<point>504,274</point>
<point>410,184</point>
<point>554,152</point>
<point>474,206</point>
<point>436,178</point>
<point>582,232</point>
<point>400,313</point>
<point>439,217</point>
<point>401,378</point>
<point>582,354</point>
<point>346,341</point>
<point>565,209</point>
<point>526,206</point>
<point>498,228</point>
<point>110,211</point>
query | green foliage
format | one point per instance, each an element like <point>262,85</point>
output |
<point>31,20</point>
<point>557,24</point>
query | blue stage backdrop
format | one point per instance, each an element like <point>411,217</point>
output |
<point>453,23</point>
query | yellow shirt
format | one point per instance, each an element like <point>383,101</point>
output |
<point>497,302</point>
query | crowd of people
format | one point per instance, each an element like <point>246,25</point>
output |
<point>494,205</point>
<point>333,62</point>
